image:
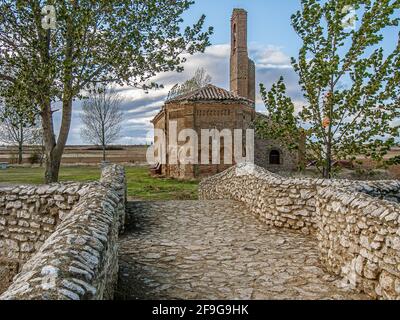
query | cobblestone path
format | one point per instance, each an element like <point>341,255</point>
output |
<point>215,250</point>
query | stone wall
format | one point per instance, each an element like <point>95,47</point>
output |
<point>359,237</point>
<point>76,257</point>
<point>113,178</point>
<point>289,160</point>
<point>279,202</point>
<point>356,223</point>
<point>29,215</point>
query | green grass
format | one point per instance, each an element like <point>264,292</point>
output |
<point>141,185</point>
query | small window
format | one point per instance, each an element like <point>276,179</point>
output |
<point>275,157</point>
<point>234,37</point>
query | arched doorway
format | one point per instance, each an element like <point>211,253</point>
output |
<point>274,157</point>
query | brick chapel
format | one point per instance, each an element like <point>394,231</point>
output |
<point>215,108</point>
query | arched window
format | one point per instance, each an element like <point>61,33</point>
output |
<point>274,157</point>
<point>234,37</point>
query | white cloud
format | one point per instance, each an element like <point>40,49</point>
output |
<point>270,57</point>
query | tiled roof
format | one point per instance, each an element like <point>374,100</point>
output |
<point>208,93</point>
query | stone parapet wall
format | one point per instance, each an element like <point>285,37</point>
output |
<point>113,177</point>
<point>356,223</point>
<point>79,260</point>
<point>359,239</point>
<point>30,214</point>
<point>279,202</point>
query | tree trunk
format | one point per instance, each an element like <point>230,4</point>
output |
<point>20,144</point>
<point>52,156</point>
<point>53,159</point>
<point>20,153</point>
<point>51,173</point>
<point>328,163</point>
<point>53,163</point>
<point>54,150</point>
<point>103,139</point>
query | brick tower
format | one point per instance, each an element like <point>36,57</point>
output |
<point>242,76</point>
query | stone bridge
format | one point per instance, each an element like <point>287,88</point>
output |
<point>252,235</point>
<point>218,250</point>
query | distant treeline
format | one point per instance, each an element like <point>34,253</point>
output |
<point>82,147</point>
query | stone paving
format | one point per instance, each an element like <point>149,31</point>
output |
<point>216,250</point>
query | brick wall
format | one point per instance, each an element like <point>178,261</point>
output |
<point>209,115</point>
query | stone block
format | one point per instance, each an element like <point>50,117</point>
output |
<point>386,281</point>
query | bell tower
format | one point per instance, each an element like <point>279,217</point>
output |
<point>242,69</point>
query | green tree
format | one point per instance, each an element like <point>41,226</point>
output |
<point>18,119</point>
<point>352,87</point>
<point>281,121</point>
<point>16,129</point>
<point>95,42</point>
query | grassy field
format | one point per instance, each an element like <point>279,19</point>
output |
<point>141,185</point>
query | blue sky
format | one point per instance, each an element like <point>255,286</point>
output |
<point>269,20</point>
<point>272,42</point>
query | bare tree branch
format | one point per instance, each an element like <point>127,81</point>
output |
<point>102,118</point>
